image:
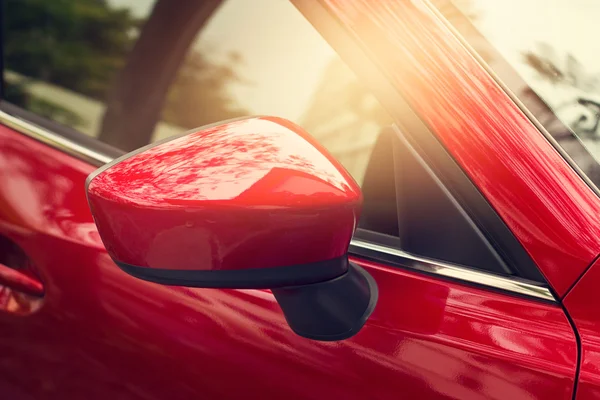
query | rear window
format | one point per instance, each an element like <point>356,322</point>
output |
<point>547,55</point>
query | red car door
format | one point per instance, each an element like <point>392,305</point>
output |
<point>467,225</point>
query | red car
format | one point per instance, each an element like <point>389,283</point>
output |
<point>434,235</point>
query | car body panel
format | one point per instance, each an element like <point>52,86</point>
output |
<point>547,205</point>
<point>582,304</point>
<point>101,333</point>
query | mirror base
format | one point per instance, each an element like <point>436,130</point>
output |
<point>332,310</point>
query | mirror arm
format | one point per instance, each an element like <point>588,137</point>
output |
<point>332,310</point>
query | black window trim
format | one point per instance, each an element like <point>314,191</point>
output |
<point>57,135</point>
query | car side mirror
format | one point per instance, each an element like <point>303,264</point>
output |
<point>248,203</point>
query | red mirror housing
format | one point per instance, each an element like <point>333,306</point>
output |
<point>248,203</point>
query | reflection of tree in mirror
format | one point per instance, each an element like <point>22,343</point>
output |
<point>220,163</point>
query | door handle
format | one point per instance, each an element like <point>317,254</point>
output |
<point>20,281</point>
<point>15,270</point>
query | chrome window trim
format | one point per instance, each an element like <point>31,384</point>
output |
<point>511,285</point>
<point>452,271</point>
<point>52,139</point>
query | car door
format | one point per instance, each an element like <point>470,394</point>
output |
<point>463,311</point>
<point>546,64</point>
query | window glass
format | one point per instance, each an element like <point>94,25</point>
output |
<point>61,56</point>
<point>545,53</point>
<point>117,70</point>
<point>428,221</point>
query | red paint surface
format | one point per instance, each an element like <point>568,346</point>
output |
<point>102,334</point>
<point>582,304</point>
<point>20,281</point>
<point>252,193</point>
<point>549,208</point>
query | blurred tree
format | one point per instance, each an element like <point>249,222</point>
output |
<point>135,103</point>
<point>142,68</point>
<point>78,45</point>
<point>198,95</point>
<point>566,71</point>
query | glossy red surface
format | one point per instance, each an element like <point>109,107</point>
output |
<point>20,281</point>
<point>582,304</point>
<point>549,208</point>
<point>102,334</point>
<point>252,193</point>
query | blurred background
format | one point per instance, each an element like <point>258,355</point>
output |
<point>129,72</point>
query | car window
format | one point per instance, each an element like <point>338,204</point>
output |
<point>544,52</point>
<point>429,221</point>
<point>118,71</point>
